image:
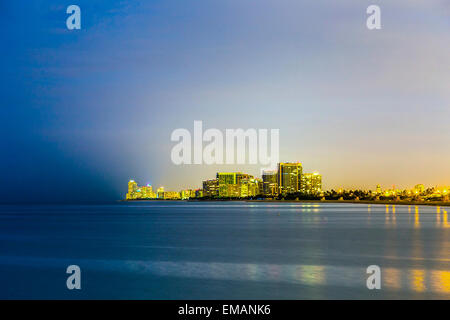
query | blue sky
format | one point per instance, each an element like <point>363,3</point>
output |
<point>83,111</point>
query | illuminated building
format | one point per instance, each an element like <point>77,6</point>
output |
<point>259,186</point>
<point>236,185</point>
<point>147,192</point>
<point>187,194</point>
<point>311,183</point>
<point>132,190</point>
<point>230,190</point>
<point>171,195</point>
<point>250,187</point>
<point>242,176</point>
<point>226,178</point>
<point>210,188</point>
<point>244,190</point>
<point>160,193</point>
<point>289,177</point>
<point>269,181</point>
<point>199,193</point>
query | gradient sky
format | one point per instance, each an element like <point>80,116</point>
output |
<point>84,111</point>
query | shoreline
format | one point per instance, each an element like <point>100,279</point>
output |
<point>386,202</point>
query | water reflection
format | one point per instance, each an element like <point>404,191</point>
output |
<point>442,219</point>
<point>314,275</point>
<point>392,278</point>
<point>441,281</point>
<point>416,218</point>
<point>390,219</point>
<point>445,220</point>
<point>418,280</point>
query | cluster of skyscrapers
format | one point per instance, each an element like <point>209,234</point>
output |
<point>288,179</point>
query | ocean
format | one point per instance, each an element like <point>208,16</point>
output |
<point>224,250</point>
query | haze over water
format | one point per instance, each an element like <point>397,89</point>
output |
<point>225,250</point>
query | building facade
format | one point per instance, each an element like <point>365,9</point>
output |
<point>289,177</point>
<point>311,183</point>
<point>210,188</point>
<point>269,183</point>
<point>132,190</point>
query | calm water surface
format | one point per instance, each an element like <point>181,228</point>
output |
<point>224,250</point>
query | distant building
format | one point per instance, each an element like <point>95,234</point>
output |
<point>187,194</point>
<point>237,185</point>
<point>199,193</point>
<point>269,181</point>
<point>250,187</point>
<point>227,184</point>
<point>147,192</point>
<point>289,177</point>
<point>311,183</point>
<point>132,190</point>
<point>242,176</point>
<point>171,195</point>
<point>160,193</point>
<point>230,191</point>
<point>226,178</point>
<point>210,188</point>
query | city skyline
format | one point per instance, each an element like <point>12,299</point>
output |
<point>234,153</point>
<point>289,180</point>
<point>90,108</point>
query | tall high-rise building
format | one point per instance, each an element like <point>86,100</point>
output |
<point>289,177</point>
<point>160,193</point>
<point>132,190</point>
<point>311,183</point>
<point>225,182</point>
<point>270,185</point>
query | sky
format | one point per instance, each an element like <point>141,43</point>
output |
<point>83,111</point>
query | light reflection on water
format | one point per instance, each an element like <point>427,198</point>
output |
<point>418,280</point>
<point>291,246</point>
